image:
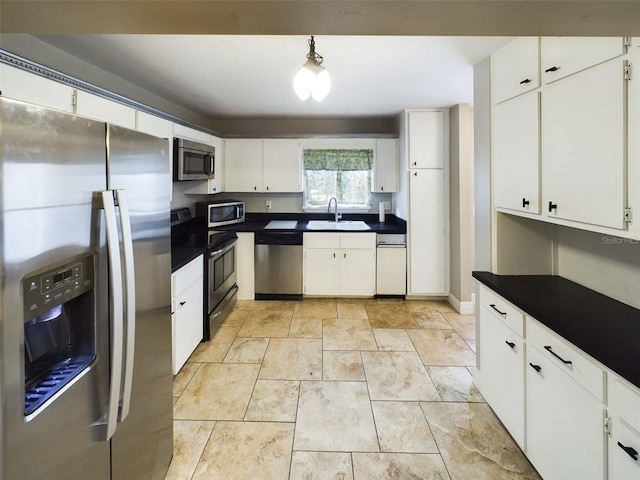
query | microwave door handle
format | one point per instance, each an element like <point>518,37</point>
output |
<point>130,303</point>
<point>116,308</point>
<point>211,166</point>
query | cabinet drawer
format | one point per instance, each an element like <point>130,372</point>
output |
<point>184,277</point>
<point>358,240</point>
<point>567,357</point>
<point>321,240</point>
<point>500,308</point>
<point>624,402</point>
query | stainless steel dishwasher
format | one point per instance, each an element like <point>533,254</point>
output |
<point>278,266</point>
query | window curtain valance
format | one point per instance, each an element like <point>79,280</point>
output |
<point>337,159</point>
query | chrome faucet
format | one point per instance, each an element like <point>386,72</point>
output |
<point>336,209</point>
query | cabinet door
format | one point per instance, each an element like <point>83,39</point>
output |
<point>188,324</point>
<point>282,165</point>
<point>192,134</point>
<point>427,266</point>
<point>502,371</point>
<point>216,184</point>
<point>562,56</point>
<point>583,146</point>
<point>246,266</point>
<point>385,173</point>
<point>243,165</point>
<point>391,271</point>
<point>426,140</point>
<point>321,271</point>
<point>357,272</point>
<point>565,435</point>
<point>624,440</point>
<point>515,69</point>
<point>92,106</point>
<point>31,88</point>
<point>516,155</point>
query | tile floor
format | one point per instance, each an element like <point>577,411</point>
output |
<point>342,389</point>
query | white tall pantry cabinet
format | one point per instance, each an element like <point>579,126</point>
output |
<point>423,200</point>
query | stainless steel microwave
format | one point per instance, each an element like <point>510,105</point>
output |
<point>222,212</point>
<point>193,160</point>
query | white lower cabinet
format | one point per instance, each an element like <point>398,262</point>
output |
<point>245,268</point>
<point>340,264</point>
<point>624,430</point>
<point>565,424</point>
<point>501,368</point>
<point>187,295</point>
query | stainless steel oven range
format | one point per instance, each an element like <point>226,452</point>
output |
<point>220,289</point>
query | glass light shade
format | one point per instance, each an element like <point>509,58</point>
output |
<point>312,80</point>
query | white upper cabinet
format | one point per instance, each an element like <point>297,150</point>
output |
<point>562,56</point>
<point>27,87</point>
<point>583,146</point>
<point>385,171</point>
<point>515,69</point>
<point>156,126</point>
<point>93,106</point>
<point>516,154</point>
<point>282,165</point>
<point>191,134</point>
<point>262,165</point>
<point>243,164</point>
<point>425,139</point>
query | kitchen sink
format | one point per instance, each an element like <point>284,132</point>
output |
<point>341,225</point>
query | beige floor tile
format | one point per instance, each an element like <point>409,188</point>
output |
<point>250,305</point>
<point>273,401</point>
<point>316,308</point>
<point>189,440</point>
<point>346,366</point>
<point>474,444</point>
<point>184,376</point>
<point>217,391</point>
<point>442,347</point>
<point>397,376</point>
<point>393,340</point>
<point>429,306</point>
<point>292,359</point>
<point>465,325</point>
<point>402,428</point>
<point>347,334</point>
<point>306,328</point>
<point>236,318</point>
<point>321,466</point>
<point>336,417</point>
<point>266,323</point>
<point>400,466</point>
<point>280,304</point>
<point>472,345</point>
<point>352,309</point>
<point>383,301</point>
<point>215,349</point>
<point>247,350</point>
<point>390,316</point>
<point>454,384</point>
<point>431,320</point>
<point>247,451</point>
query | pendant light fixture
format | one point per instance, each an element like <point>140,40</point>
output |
<point>312,79</point>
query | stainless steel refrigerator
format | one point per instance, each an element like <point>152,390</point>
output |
<point>85,331</point>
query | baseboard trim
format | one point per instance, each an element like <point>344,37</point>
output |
<point>464,308</point>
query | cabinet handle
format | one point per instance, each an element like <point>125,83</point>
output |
<point>526,80</point>
<point>267,189</point>
<point>182,303</point>
<point>334,255</point>
<point>214,189</point>
<point>548,349</point>
<point>382,189</point>
<point>511,344</point>
<point>492,305</point>
<point>345,255</point>
<point>537,368</point>
<point>255,188</point>
<point>552,69</point>
<point>630,451</point>
<point>525,203</point>
<point>415,174</point>
<point>415,164</point>
<point>553,206</point>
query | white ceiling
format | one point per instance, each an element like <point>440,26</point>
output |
<point>251,76</point>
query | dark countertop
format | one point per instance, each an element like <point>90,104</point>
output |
<point>255,222</point>
<point>604,328</point>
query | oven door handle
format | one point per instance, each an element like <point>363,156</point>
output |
<point>117,311</point>
<point>224,249</point>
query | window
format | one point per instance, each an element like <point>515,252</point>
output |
<point>341,173</point>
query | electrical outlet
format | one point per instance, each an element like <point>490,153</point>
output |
<point>268,204</point>
<point>387,205</point>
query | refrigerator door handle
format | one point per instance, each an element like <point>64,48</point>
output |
<point>116,307</point>
<point>130,303</point>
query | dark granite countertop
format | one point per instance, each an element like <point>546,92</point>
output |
<point>180,256</point>
<point>604,328</point>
